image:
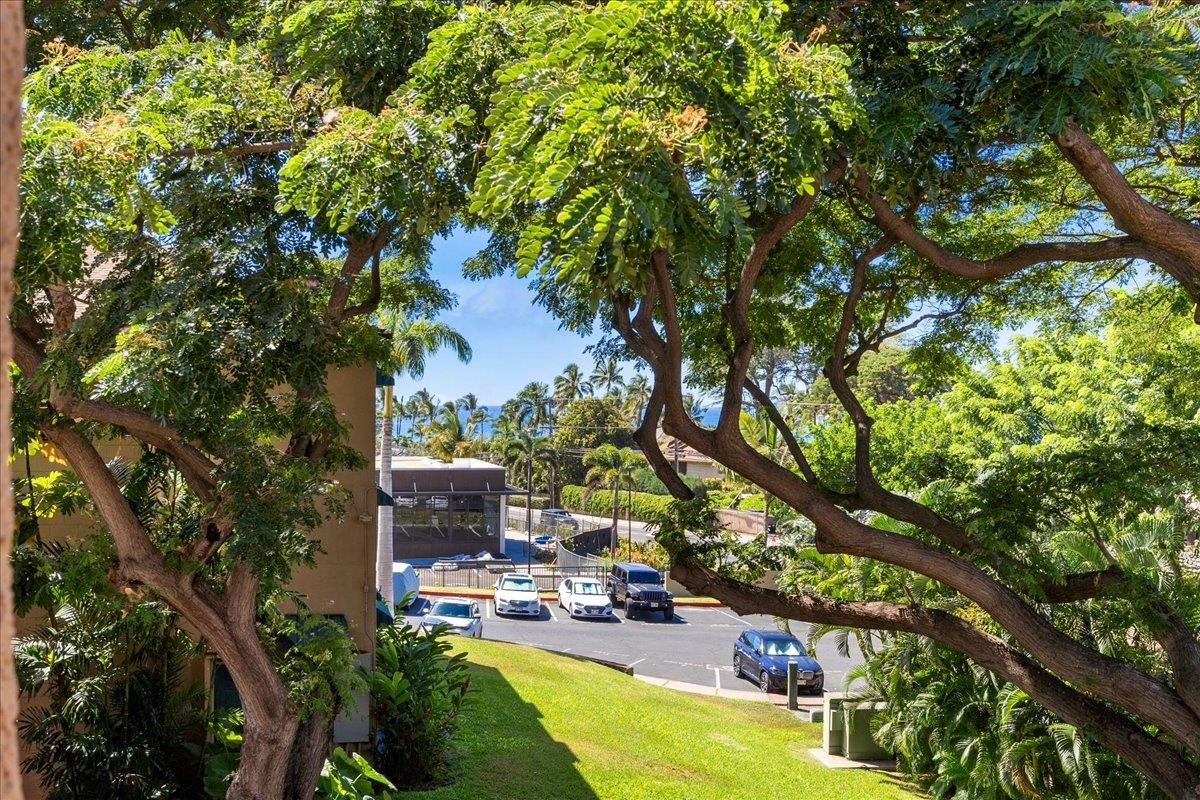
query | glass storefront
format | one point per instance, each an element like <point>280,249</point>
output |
<point>463,521</point>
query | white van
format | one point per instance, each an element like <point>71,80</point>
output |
<point>404,581</point>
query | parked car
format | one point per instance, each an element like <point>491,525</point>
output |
<point>584,597</point>
<point>639,588</point>
<point>765,655</point>
<point>517,593</point>
<point>557,516</point>
<point>405,583</point>
<point>460,615</point>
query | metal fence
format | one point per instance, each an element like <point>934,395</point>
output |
<point>547,576</point>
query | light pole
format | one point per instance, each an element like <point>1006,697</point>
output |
<point>629,516</point>
<point>529,509</point>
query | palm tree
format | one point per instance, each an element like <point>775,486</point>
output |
<point>412,342</point>
<point>607,378</point>
<point>534,406</point>
<point>425,404</point>
<point>570,385</point>
<point>637,395</point>
<point>695,407</point>
<point>613,467</point>
<point>450,437</point>
<point>476,414</point>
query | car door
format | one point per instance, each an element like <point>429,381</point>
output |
<point>754,642</point>
<point>565,598</point>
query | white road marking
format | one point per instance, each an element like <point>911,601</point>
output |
<point>553,616</point>
<point>489,609</point>
<point>717,673</point>
<point>731,616</point>
<point>635,663</point>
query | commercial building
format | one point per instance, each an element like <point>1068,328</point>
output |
<point>447,508</point>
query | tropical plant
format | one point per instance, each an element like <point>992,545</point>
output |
<point>637,395</point>
<point>450,436</point>
<point>607,378</point>
<point>351,777</point>
<point>611,467</point>
<point>116,718</point>
<point>570,385</point>
<point>417,691</point>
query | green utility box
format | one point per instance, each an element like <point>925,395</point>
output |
<point>857,742</point>
<point>833,723</point>
<point>847,729</point>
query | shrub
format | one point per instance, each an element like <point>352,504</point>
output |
<point>646,507</point>
<point>646,481</point>
<point>650,553</point>
<point>417,692</point>
<point>539,501</point>
<point>118,714</point>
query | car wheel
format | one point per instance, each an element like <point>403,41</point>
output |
<point>628,610</point>
<point>764,682</point>
<point>737,665</point>
<point>669,614</point>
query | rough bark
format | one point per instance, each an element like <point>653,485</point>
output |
<point>12,67</point>
<point>313,743</point>
<point>227,622</point>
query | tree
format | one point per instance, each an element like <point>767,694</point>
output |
<point>190,248</point>
<point>705,214</point>
<point>412,341</point>
<point>533,407</point>
<point>570,385</point>
<point>585,424</point>
<point>607,378</point>
<point>450,435</point>
<point>612,467</point>
<point>637,394</point>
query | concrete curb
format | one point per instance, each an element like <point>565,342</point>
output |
<point>733,694</point>
<point>453,591</point>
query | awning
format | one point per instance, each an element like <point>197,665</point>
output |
<point>382,498</point>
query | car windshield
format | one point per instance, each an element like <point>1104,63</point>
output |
<point>444,609</point>
<point>518,584</point>
<point>644,576</point>
<point>782,647</point>
<point>587,588</point>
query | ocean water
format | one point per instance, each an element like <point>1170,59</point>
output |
<point>485,428</point>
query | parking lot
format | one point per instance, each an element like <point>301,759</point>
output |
<point>696,646</point>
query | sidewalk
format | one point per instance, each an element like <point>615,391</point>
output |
<point>736,694</point>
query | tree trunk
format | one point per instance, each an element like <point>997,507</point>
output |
<point>313,743</point>
<point>383,543</point>
<point>616,515</point>
<point>12,67</point>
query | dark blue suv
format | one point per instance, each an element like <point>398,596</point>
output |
<point>764,656</point>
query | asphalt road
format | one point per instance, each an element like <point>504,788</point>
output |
<point>696,646</point>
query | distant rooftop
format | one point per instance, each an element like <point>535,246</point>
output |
<point>426,463</point>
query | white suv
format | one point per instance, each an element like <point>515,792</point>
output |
<point>517,593</point>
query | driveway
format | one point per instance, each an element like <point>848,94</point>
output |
<point>695,647</point>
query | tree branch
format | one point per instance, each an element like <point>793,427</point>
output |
<point>1156,759</point>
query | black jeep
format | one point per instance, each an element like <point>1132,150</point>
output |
<point>639,587</point>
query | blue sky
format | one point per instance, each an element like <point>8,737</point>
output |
<point>514,341</point>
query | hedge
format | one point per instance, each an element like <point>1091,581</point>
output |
<point>599,503</point>
<point>539,500</point>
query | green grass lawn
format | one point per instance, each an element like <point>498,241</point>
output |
<point>548,727</point>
